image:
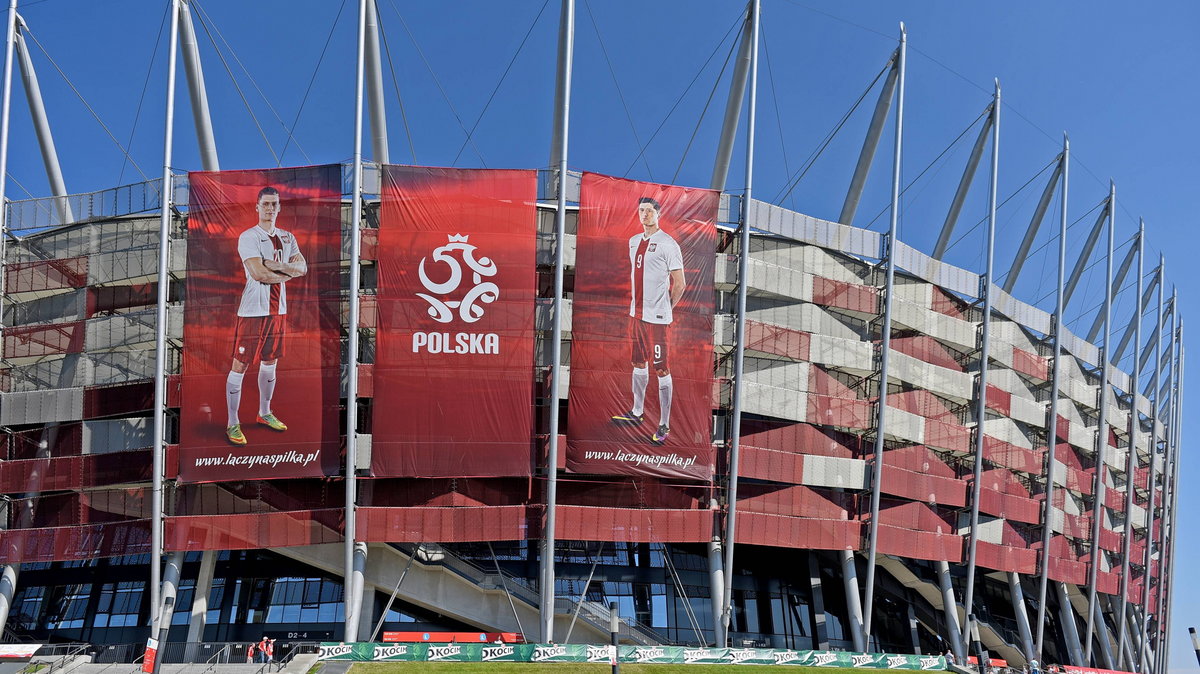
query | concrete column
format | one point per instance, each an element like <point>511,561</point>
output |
<point>1021,613</point>
<point>913,631</point>
<point>716,584</point>
<point>8,587</point>
<point>817,603</point>
<point>170,588</point>
<point>204,578</point>
<point>1106,654</point>
<point>950,609</point>
<point>1066,616</point>
<point>854,614</point>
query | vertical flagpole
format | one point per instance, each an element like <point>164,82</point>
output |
<point>1169,473</point>
<point>984,351</point>
<point>1052,413</point>
<point>1131,457</point>
<point>1155,430</point>
<point>1101,434</point>
<point>10,42</point>
<point>740,347</point>
<point>566,46</point>
<point>8,576</point>
<point>160,334</point>
<point>352,587</point>
<point>885,343</point>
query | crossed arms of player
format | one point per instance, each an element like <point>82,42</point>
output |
<point>270,271</point>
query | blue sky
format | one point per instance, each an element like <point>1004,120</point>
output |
<point>1115,75</point>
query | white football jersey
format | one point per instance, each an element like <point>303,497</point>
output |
<point>265,299</point>
<point>651,262</point>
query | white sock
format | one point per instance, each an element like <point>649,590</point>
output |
<point>266,388</point>
<point>233,395</point>
<point>641,377</point>
<point>665,389</point>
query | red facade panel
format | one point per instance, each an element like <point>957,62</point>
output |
<point>1110,540</point>
<point>368,312</point>
<point>920,486</point>
<point>951,436</point>
<point>74,472</point>
<point>55,544</point>
<point>920,459</point>
<point>927,349</point>
<point>1077,526</point>
<point>451,525</point>
<point>253,530</point>
<point>107,299</point>
<point>369,242</point>
<point>1031,365</point>
<point>839,412</point>
<point>842,295</point>
<point>799,437</point>
<point>947,304</point>
<point>118,400</point>
<point>923,404</point>
<point>999,400</point>
<point>1108,582</point>
<point>920,544</point>
<point>630,525</point>
<point>769,464</point>
<point>793,501</point>
<point>1006,557</point>
<point>777,340</point>
<point>1068,571</point>
<point>43,275</point>
<point>1011,456</point>
<point>914,516</point>
<point>798,532</point>
<point>1009,506</point>
<point>60,440</point>
<point>36,341</point>
<point>1114,498</point>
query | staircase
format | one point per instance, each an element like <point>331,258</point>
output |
<point>458,589</point>
<point>990,634</point>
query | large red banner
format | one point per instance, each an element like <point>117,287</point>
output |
<point>454,364</point>
<point>261,324</point>
<point>642,326</point>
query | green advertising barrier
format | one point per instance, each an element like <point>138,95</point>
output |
<point>476,652</point>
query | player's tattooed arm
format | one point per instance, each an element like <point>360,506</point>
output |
<point>677,286</point>
<point>259,271</point>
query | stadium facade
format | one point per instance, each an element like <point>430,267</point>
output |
<point>932,501</point>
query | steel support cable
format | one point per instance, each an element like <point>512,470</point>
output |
<point>204,20</point>
<point>1007,199</point>
<point>241,94</point>
<point>1093,307</point>
<point>438,82</point>
<point>304,100</point>
<point>775,101</point>
<point>1055,238</point>
<point>617,85</point>
<point>137,115</point>
<point>500,83</point>
<point>816,154</point>
<point>703,111</point>
<point>642,151</point>
<point>687,603</point>
<point>395,85</point>
<point>28,33</point>
<point>1074,158</point>
<point>912,183</point>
